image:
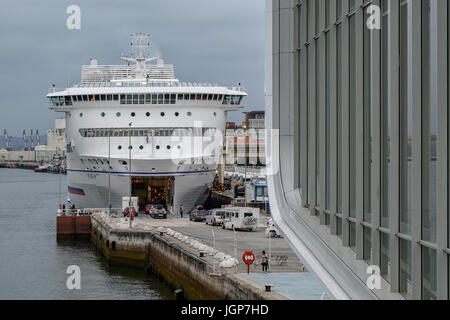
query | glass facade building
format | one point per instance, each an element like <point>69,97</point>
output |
<point>359,141</point>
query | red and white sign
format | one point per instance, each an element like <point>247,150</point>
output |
<point>248,259</point>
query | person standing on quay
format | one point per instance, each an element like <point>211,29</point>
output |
<point>264,262</point>
<point>181,211</point>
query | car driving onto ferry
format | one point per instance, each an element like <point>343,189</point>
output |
<point>238,218</point>
<point>158,212</point>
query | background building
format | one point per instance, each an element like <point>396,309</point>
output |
<point>362,117</point>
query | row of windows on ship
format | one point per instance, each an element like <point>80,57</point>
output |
<point>147,132</point>
<point>157,98</point>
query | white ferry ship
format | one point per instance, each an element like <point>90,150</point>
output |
<point>172,132</point>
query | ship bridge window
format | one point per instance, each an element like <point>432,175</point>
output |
<point>109,97</point>
<point>186,96</point>
<point>227,100</point>
<point>141,99</point>
<point>91,98</point>
<point>192,96</point>
<point>180,97</point>
<point>199,97</point>
<point>210,97</point>
<point>115,97</point>
<point>103,97</point>
<point>204,97</point>
<point>85,98</point>
<point>160,99</point>
<point>80,98</point>
<point>215,97</point>
<point>135,99</point>
<point>166,98</point>
<point>97,97</point>
<point>55,101</point>
<point>154,99</point>
<point>123,99</point>
<point>148,99</point>
<point>74,98</point>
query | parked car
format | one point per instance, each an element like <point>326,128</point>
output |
<point>149,207</point>
<point>215,217</point>
<point>158,212</point>
<point>198,214</point>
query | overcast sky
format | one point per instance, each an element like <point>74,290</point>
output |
<point>217,41</point>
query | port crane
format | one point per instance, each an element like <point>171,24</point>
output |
<point>38,139</point>
<point>7,141</point>
<point>25,141</point>
<point>32,140</point>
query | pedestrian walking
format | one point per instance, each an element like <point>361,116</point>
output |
<point>181,211</point>
<point>264,262</point>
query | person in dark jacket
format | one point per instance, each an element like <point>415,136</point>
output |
<point>181,211</point>
<point>264,262</point>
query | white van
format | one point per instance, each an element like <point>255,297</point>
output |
<point>240,218</point>
<point>215,217</point>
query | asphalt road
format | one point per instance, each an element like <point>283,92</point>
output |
<point>282,257</point>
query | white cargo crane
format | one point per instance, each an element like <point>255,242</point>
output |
<point>7,142</point>
<point>38,139</point>
<point>32,140</point>
<point>25,141</point>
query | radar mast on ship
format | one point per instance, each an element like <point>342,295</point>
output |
<point>140,44</point>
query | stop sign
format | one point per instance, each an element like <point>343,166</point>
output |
<point>248,257</point>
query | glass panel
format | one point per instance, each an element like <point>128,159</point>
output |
<point>386,119</point>
<point>339,115</point>
<point>352,99</point>
<point>405,127</point>
<point>317,112</point>
<point>385,262</point>
<point>352,236</point>
<point>429,274</point>
<point>405,267</point>
<point>368,129</point>
<point>367,245</point>
<point>327,120</point>
<point>429,127</point>
<point>339,227</point>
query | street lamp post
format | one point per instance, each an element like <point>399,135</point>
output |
<point>129,166</point>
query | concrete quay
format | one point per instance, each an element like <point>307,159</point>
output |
<point>165,248</point>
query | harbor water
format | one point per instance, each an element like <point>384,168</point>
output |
<point>33,264</point>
